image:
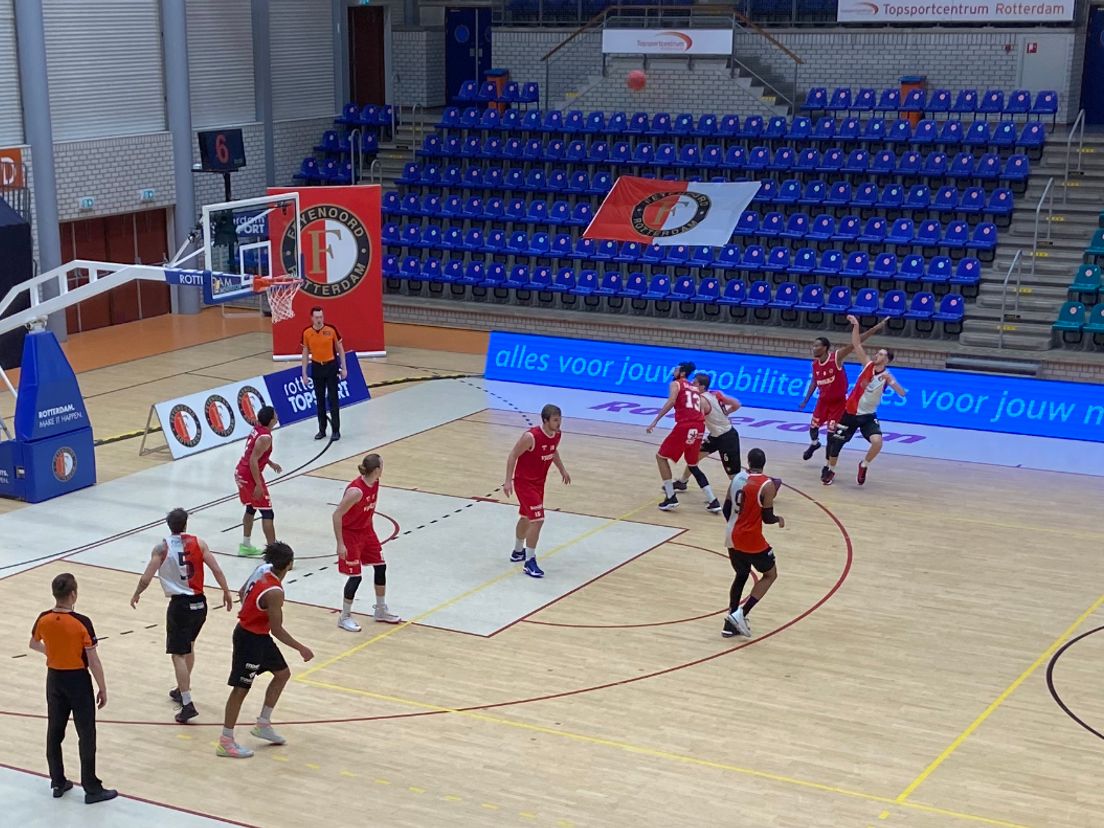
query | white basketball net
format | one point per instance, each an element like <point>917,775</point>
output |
<point>281,297</point>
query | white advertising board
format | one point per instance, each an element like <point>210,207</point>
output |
<point>200,421</point>
<point>954,11</point>
<point>667,41</point>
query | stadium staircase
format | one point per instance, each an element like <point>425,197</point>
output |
<point>1044,288</point>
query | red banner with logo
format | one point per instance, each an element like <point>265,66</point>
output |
<point>339,232</point>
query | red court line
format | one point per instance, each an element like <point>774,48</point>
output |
<point>158,803</point>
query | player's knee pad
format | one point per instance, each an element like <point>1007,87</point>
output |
<point>351,587</point>
<point>379,573</point>
<point>250,510</point>
<point>267,514</point>
<point>699,476</point>
<point>835,445</point>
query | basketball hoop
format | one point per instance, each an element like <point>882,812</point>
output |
<point>281,292</point>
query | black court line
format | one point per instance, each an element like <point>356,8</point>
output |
<point>1054,691</point>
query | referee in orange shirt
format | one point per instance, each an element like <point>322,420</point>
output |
<point>69,642</point>
<point>322,349</point>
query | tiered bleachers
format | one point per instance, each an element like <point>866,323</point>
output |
<point>1080,322</point>
<point>854,215</point>
<point>332,161</point>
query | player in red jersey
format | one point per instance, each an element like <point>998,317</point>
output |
<point>357,543</point>
<point>249,475</point>
<point>261,617</point>
<point>830,378</point>
<point>685,438</point>
<point>178,562</point>
<point>750,504</point>
<point>861,412</point>
<point>526,472</point>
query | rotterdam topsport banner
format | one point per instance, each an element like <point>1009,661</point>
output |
<point>952,399</point>
<point>339,232</point>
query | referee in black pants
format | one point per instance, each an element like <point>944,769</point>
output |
<point>322,349</point>
<point>69,643</point>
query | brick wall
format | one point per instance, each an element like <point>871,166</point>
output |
<point>770,341</point>
<point>671,87</point>
<point>113,171</point>
<point>982,58</point>
<point>954,59</point>
<point>418,59</point>
<point>294,140</point>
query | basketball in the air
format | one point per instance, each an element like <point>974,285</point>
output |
<point>636,80</point>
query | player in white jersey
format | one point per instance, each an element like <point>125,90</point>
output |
<point>178,563</point>
<point>723,439</point>
<point>861,412</point>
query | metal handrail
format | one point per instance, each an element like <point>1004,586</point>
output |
<point>1047,196</point>
<point>1016,266</point>
<point>354,163</point>
<point>416,126</point>
<point>375,172</point>
<point>1078,124</point>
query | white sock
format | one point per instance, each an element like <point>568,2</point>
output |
<point>266,715</point>
<point>186,696</point>
<point>519,544</point>
<point>245,540</point>
<point>669,488</point>
<point>346,607</point>
<point>381,604</point>
<point>708,492</point>
<point>228,733</point>
<point>864,464</point>
<point>530,553</point>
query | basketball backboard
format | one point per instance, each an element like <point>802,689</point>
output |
<point>247,238</point>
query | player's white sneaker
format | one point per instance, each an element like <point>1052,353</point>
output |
<point>265,731</point>
<point>739,622</point>
<point>385,617</point>
<point>348,624</point>
<point>230,749</point>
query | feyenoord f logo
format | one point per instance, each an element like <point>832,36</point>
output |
<point>185,426</point>
<point>336,247</point>
<point>220,415</point>
<point>64,464</point>
<point>250,402</point>
<point>667,214</point>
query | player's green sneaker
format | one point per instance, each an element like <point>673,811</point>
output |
<point>247,551</point>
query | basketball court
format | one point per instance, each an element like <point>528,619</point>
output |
<point>898,674</point>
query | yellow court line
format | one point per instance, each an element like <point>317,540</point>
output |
<point>1001,699</point>
<point>511,573</point>
<point>661,754</point>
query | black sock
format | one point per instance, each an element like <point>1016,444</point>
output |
<point>814,434</point>
<point>751,602</point>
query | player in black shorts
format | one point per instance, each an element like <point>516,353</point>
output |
<point>178,562</point>
<point>255,652</point>
<point>721,438</point>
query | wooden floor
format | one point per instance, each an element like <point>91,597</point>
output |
<point>898,674</point>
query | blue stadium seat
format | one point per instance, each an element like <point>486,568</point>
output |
<point>831,261</point>
<point>894,304</point>
<point>920,311</point>
<point>950,313</point>
<point>706,127</point>
<point>811,300</point>
<point>889,100</point>
<point>939,103</point>
<point>816,99</point>
<point>978,134</point>
<point>992,102</point>
<point>840,100</point>
<point>972,201</point>
<point>734,293</point>
<point>919,198</point>
<point>865,100</point>
<point>857,265</point>
<point>940,270</point>
<point>875,231</point>
<point>966,102</point>
<point>911,269</point>
<point>930,233</point>
<point>916,100</point>
<point>865,302</point>
<point>1004,135</point>
<point>838,300</point>
<point>925,134</point>
<point>1046,103</point>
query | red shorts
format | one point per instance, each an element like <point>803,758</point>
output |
<point>246,493</point>
<point>828,412</point>
<point>530,500</point>
<point>361,549</point>
<point>684,441</point>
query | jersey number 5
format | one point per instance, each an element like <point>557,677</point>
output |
<point>186,568</point>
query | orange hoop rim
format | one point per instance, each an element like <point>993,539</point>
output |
<point>262,283</point>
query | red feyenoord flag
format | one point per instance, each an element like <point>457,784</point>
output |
<point>671,212</point>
